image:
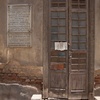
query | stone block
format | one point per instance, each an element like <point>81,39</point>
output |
<point>36,97</point>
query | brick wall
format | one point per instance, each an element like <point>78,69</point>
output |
<point>97,78</point>
<point>13,72</point>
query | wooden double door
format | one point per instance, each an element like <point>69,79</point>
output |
<point>68,42</point>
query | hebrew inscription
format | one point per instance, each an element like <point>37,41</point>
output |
<point>19,26</point>
<point>19,40</point>
<point>19,18</point>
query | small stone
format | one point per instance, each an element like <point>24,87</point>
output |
<point>36,97</point>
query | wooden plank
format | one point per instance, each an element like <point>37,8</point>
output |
<point>91,46</point>
<point>20,1</point>
<point>78,82</point>
<point>45,49</point>
<point>58,80</point>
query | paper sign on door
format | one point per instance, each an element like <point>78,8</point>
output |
<point>61,46</point>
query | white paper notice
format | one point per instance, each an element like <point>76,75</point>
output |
<point>61,46</point>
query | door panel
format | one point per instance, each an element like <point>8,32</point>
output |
<point>68,68</point>
<point>78,51</point>
<point>58,59</point>
<point>58,80</point>
<point>78,82</point>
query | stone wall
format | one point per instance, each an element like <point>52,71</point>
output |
<point>22,64</point>
<point>97,34</point>
<point>29,55</point>
<point>13,72</point>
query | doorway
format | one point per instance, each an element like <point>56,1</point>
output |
<point>68,49</point>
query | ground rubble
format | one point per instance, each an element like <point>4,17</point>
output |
<point>17,91</point>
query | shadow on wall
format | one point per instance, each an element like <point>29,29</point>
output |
<point>17,92</point>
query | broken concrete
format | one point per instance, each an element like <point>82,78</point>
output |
<point>17,92</point>
<point>97,91</point>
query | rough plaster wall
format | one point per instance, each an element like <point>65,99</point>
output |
<point>22,65</point>
<point>97,34</point>
<point>26,56</point>
<point>3,27</point>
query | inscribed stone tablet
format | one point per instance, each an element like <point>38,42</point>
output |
<point>19,40</point>
<point>19,25</point>
<point>19,18</point>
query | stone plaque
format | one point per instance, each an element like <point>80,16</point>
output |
<point>19,18</point>
<point>19,25</point>
<point>19,40</point>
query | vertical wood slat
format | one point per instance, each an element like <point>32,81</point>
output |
<point>91,47</point>
<point>45,48</point>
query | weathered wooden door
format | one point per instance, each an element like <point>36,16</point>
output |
<point>78,49</point>
<point>58,38</point>
<point>68,51</point>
